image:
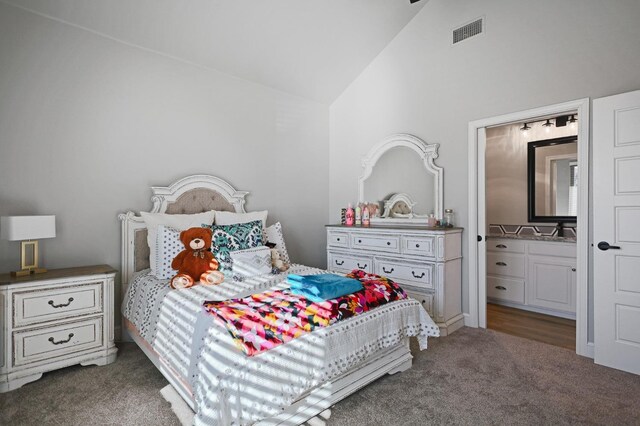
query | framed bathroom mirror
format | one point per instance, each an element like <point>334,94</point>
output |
<point>552,178</point>
<point>402,168</point>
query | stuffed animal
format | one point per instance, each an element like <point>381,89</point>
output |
<point>277,264</point>
<point>196,262</point>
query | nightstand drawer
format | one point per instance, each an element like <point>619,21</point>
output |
<point>33,307</point>
<point>425,299</point>
<point>39,344</point>
<point>418,275</point>
<point>388,243</point>
<point>338,239</point>
<point>347,263</point>
<point>421,246</point>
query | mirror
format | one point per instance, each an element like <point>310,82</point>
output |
<point>553,179</point>
<point>401,170</point>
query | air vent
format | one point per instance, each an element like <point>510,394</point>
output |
<point>471,29</point>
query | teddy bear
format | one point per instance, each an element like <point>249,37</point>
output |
<point>196,262</point>
<point>278,265</point>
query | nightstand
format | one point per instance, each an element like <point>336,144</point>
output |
<point>53,320</point>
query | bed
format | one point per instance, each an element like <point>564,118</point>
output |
<point>288,384</point>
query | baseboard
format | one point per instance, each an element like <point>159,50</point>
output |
<point>468,322</point>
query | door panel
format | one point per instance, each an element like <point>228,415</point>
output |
<point>616,219</point>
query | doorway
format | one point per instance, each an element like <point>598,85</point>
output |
<point>522,280</point>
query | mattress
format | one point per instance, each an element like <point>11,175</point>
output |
<point>229,387</point>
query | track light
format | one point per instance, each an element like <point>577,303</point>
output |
<point>548,125</point>
<point>525,128</point>
<point>572,121</point>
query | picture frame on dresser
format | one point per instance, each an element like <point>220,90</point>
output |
<point>53,320</point>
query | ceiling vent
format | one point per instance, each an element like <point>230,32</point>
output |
<point>469,30</point>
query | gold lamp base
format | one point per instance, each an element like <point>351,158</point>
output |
<point>28,249</point>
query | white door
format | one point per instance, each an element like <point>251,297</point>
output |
<point>616,234</point>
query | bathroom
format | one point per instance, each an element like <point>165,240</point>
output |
<point>532,178</point>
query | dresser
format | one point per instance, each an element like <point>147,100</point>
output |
<point>534,275</point>
<point>53,320</point>
<point>425,261</point>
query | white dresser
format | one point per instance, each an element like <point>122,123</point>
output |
<point>426,262</point>
<point>53,320</point>
<point>533,275</point>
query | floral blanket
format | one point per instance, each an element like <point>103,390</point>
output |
<point>265,320</point>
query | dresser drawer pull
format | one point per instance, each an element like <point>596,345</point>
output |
<point>339,263</point>
<point>360,266</point>
<point>417,245</point>
<point>416,275</point>
<point>501,246</point>
<point>359,241</point>
<point>500,287</point>
<point>59,342</point>
<point>387,272</point>
<point>338,239</point>
<point>61,305</point>
<point>501,264</point>
<point>388,243</point>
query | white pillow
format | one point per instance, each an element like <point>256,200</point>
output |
<point>274,235</point>
<point>168,246</point>
<point>250,262</point>
<point>231,218</point>
<point>179,222</point>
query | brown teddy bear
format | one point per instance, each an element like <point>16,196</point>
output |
<point>196,262</point>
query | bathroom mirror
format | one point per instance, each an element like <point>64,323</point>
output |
<point>402,167</point>
<point>553,179</point>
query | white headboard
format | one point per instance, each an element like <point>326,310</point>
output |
<point>192,194</point>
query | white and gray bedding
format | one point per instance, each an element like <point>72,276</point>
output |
<point>229,387</point>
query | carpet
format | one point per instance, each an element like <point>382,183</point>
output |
<point>473,377</point>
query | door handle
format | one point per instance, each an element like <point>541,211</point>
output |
<point>604,246</point>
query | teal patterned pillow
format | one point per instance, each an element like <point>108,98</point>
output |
<point>228,238</point>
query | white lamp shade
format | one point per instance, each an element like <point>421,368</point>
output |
<point>21,228</point>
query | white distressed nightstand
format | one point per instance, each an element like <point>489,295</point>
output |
<point>53,320</point>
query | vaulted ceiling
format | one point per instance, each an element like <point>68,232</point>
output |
<point>313,49</point>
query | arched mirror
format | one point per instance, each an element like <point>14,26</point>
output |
<point>400,175</point>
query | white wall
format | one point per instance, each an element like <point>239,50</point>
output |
<point>531,55</point>
<point>88,124</point>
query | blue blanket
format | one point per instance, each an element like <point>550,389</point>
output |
<point>319,288</point>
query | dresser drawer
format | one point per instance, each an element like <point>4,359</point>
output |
<point>510,246</point>
<point>387,243</point>
<point>505,289</point>
<point>347,263</point>
<point>50,342</point>
<point>416,274</point>
<point>338,239</point>
<point>425,299</point>
<point>508,264</point>
<point>32,307</point>
<point>420,246</point>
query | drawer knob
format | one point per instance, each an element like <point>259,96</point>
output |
<point>61,305</point>
<point>573,269</point>
<point>338,239</point>
<point>339,263</point>
<point>501,264</point>
<point>359,241</point>
<point>416,275</point>
<point>499,287</point>
<point>59,342</point>
<point>417,245</point>
<point>501,246</point>
<point>360,266</point>
<point>385,270</point>
<point>388,243</point>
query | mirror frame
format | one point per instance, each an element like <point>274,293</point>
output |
<point>428,152</point>
<point>531,179</point>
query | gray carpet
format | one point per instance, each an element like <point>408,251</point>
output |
<point>472,377</point>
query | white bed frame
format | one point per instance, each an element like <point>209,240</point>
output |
<point>392,361</point>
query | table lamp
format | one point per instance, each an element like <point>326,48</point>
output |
<point>28,230</point>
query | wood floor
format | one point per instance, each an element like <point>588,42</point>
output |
<point>531,325</point>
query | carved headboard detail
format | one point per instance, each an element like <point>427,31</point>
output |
<point>192,194</point>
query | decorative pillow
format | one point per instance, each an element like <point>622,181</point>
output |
<point>250,262</point>
<point>239,236</point>
<point>179,222</point>
<point>230,218</point>
<point>168,246</point>
<point>274,235</point>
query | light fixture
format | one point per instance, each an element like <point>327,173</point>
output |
<point>547,125</point>
<point>525,128</point>
<point>27,229</point>
<point>572,121</point>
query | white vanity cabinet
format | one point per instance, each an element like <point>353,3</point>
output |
<point>426,262</point>
<point>534,275</point>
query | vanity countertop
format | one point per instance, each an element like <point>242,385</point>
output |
<point>534,237</point>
